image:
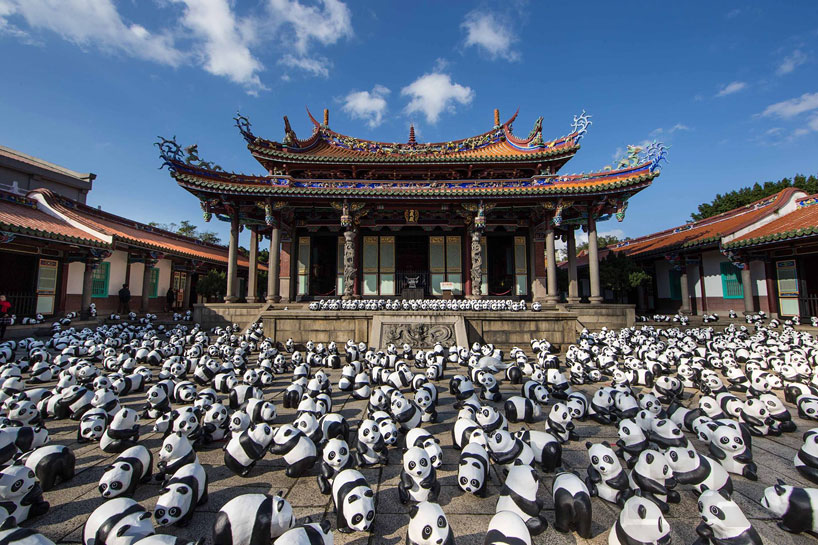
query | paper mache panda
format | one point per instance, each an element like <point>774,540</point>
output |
<point>723,522</point>
<point>428,526</point>
<point>180,495</point>
<point>572,504</point>
<point>606,478</point>
<point>354,502</point>
<point>519,496</point>
<point>796,507</point>
<point>418,479</point>
<point>640,521</point>
<point>131,468</point>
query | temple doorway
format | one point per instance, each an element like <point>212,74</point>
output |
<point>323,266</point>
<point>500,264</point>
<point>412,265</point>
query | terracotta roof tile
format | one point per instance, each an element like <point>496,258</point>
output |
<point>801,222</point>
<point>706,231</point>
<point>22,216</point>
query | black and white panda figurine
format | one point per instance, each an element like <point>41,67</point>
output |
<point>703,473</point>
<point>506,449</point>
<point>419,437</point>
<point>406,413</point>
<point>92,426</point>
<point>796,507</point>
<point>757,418</point>
<point>120,520</point>
<point>309,533</point>
<point>253,519</point>
<point>723,522</point>
<point>732,447</point>
<point>547,449</point>
<point>519,495</point>
<point>336,457</point>
<point>180,495</point>
<point>176,452</point>
<point>131,468</point>
<point>652,476</point>
<point>428,526</point>
<point>246,448</point>
<point>490,419</point>
<point>606,478</point>
<point>216,423</point>
<point>20,494</point>
<point>806,459</point>
<point>507,528</point>
<point>298,450</point>
<point>473,470</point>
<point>354,502</point>
<point>572,504</point>
<point>418,479</point>
<point>632,441</point>
<point>122,433</point>
<point>370,446</point>
<point>51,463</point>
<point>559,423</point>
<point>641,521</point>
<point>158,402</point>
<point>665,433</point>
<point>521,409</point>
<point>11,534</point>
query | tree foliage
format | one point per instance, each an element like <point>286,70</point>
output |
<point>602,241</point>
<point>189,230</point>
<point>747,195</point>
<point>620,273</point>
<point>212,284</point>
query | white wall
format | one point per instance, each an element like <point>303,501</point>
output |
<point>759,277</point>
<point>712,273</point>
<point>695,281</point>
<point>135,284</point>
<point>75,271</point>
<point>165,267</point>
<point>116,271</point>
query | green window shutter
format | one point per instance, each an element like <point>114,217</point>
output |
<point>675,278</point>
<point>154,281</point>
<point>731,287</point>
<point>99,280</point>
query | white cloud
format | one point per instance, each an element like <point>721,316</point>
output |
<point>675,128</point>
<point>432,93</point>
<point>730,88</point>
<point>325,24</point>
<point>367,105</point>
<point>224,41</point>
<point>792,107</point>
<point>493,35</point>
<point>791,62</point>
<point>92,23</point>
<point>318,66</point>
<point>733,13</point>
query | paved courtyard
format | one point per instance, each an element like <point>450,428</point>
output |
<point>469,516</point>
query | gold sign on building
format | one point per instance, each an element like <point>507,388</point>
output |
<point>411,216</point>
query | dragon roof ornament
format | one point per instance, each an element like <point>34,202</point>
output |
<point>580,126</point>
<point>245,128</point>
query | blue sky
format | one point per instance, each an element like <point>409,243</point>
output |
<point>732,87</point>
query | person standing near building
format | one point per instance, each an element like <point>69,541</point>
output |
<point>5,318</point>
<point>124,300</point>
<point>170,299</point>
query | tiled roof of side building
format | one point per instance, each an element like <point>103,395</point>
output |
<point>800,223</point>
<point>706,231</point>
<point>22,216</point>
<point>136,233</point>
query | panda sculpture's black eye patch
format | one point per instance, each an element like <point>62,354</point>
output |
<point>642,511</point>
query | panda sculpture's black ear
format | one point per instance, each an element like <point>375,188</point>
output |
<point>780,482</point>
<point>8,524</point>
<point>413,510</point>
<point>779,489</point>
<point>724,494</point>
<point>607,444</point>
<point>588,444</point>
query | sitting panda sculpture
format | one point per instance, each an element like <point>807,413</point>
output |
<point>130,469</point>
<point>253,519</point>
<point>418,479</point>
<point>354,502</point>
<point>428,525</point>
<point>180,495</point>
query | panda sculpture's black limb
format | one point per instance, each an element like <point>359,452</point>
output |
<point>572,505</point>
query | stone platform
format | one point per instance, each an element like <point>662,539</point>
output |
<point>469,516</point>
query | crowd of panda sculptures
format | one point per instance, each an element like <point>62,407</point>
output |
<point>206,390</point>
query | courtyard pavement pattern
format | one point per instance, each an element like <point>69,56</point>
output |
<point>72,502</point>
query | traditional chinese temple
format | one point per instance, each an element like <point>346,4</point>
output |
<point>476,217</point>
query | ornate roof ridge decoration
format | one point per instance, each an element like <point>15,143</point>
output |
<point>14,198</point>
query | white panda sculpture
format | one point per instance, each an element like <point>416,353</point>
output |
<point>418,479</point>
<point>131,468</point>
<point>732,447</point>
<point>473,470</point>
<point>176,452</point>
<point>336,457</point>
<point>606,478</point>
<point>796,507</point>
<point>180,495</point>
<point>370,446</point>
<point>547,449</point>
<point>519,496</point>
<point>117,521</point>
<point>298,450</point>
<point>652,476</point>
<point>641,521</point>
<point>122,433</point>
<point>723,522</point>
<point>253,519</point>
<point>702,472</point>
<point>309,533</point>
<point>419,437</point>
<point>507,528</point>
<point>806,459</point>
<point>572,505</point>
<point>20,494</point>
<point>428,526</point>
<point>51,464</point>
<point>354,502</point>
<point>246,448</point>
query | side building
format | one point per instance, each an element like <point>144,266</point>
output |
<point>59,255</point>
<point>755,257</point>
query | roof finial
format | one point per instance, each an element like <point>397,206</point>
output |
<point>412,140</point>
<point>496,117</point>
<point>326,117</point>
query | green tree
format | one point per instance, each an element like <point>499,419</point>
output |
<point>601,242</point>
<point>209,236</point>
<point>619,273</point>
<point>212,285</point>
<point>186,228</point>
<point>746,195</point>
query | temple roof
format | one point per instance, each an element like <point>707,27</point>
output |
<point>801,223</point>
<point>708,231</point>
<point>499,144</point>
<point>23,216</point>
<point>133,233</point>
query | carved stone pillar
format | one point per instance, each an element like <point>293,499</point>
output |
<point>476,268</point>
<point>188,285</point>
<point>747,286</point>
<point>273,278</point>
<point>593,262</point>
<point>551,267</point>
<point>684,291</point>
<point>573,284</point>
<point>349,263</point>
<point>252,274</point>
<point>230,295</point>
<point>146,283</point>
<point>537,267</point>
<point>87,285</point>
